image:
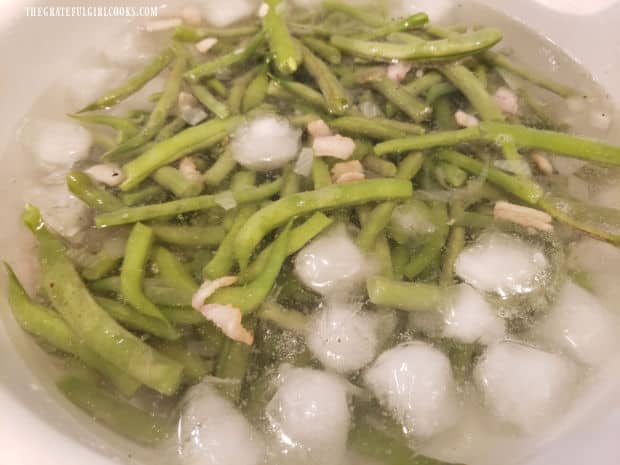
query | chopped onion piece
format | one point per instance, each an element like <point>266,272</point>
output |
<point>334,146</point>
<point>162,25</point>
<point>318,128</point>
<point>228,319</point>
<point>525,216</point>
<point>193,115</point>
<point>185,99</point>
<point>109,174</point>
<point>398,71</point>
<point>206,44</point>
<point>465,119</point>
<point>263,9</point>
<point>208,287</point>
<point>507,100</point>
<point>303,165</point>
<point>226,200</point>
<point>188,168</point>
<point>347,172</point>
<point>542,162</point>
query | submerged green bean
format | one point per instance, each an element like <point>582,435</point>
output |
<point>154,289</point>
<point>330,54</point>
<point>417,110</point>
<point>428,141</point>
<point>411,297</point>
<point>172,271</point>
<point>286,53</point>
<point>341,195</point>
<point>134,83</point>
<point>398,25</point>
<point>209,101</point>
<point>50,327</point>
<point>375,128</point>
<point>223,166</point>
<point>189,236</point>
<point>186,33</point>
<point>103,335</point>
<point>83,187</point>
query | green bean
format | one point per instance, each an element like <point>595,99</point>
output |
<point>335,196</point>
<point>449,175</point>
<point>400,258</point>
<point>83,187</point>
<point>137,252</point>
<point>189,236</point>
<point>422,84</point>
<point>291,182</point>
<point>183,316</point>
<point>328,53</point>
<point>428,141</point>
<point>518,186</point>
<point>300,236</point>
<point>297,89</point>
<point>212,67</point>
<point>133,84</point>
<point>411,297</point>
<point>504,62</point>
<point>102,334</point>
<point>121,417</point>
<point>222,167</point>
<point>480,71</point>
<point>354,75</point>
<point>380,166</point>
<point>320,173</point>
<point>238,88</point>
<point>432,248</point>
<point>417,110</point>
<point>50,327</point>
<point>218,87</point>
<point>232,364</point>
<point>103,141</point>
<point>375,128</point>
<point>539,111</point>
<point>133,320</point>
<point>105,261</point>
<point>286,54</point>
<point>209,101</point>
<point>398,25</point>
<point>256,91</point>
<point>196,138</point>
<point>195,368</point>
<point>156,291</point>
<point>142,195</point>
<point>157,118</point>
<point>332,90</point>
<point>472,88</point>
<point>441,49</point>
<point>456,243</point>
<point>176,207</point>
<point>186,33</point>
<point>172,271</point>
<point>283,317</point>
<point>440,90</point>
<point>404,38</point>
<point>443,110</point>
<point>555,142</point>
<point>224,259</point>
<point>173,180</point>
<point>250,296</point>
<point>473,220</point>
<point>366,17</point>
<point>125,126</point>
<point>176,125</point>
<point>386,449</point>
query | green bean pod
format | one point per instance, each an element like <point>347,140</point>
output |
<point>286,54</point>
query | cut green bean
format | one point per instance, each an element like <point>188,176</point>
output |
<point>472,88</point>
<point>135,321</point>
<point>196,138</point>
<point>256,91</point>
<point>283,317</point>
<point>333,92</point>
<point>428,141</point>
<point>249,297</point>
<point>286,54</point>
<point>328,53</point>
<point>232,364</point>
<point>431,250</point>
<point>105,261</point>
<point>366,17</point>
<point>296,89</point>
<point>83,187</point>
<point>375,128</point>
<point>417,110</point>
<point>189,236</point>
<point>212,67</point>
<point>440,90</point>
<point>456,243</point>
<point>209,101</point>
<point>134,83</point>
<point>441,49</point>
<point>195,368</point>
<point>126,127</point>
<point>176,125</point>
<point>398,25</point>
<point>380,166</point>
<point>103,335</point>
<point>172,271</point>
<point>223,166</point>
<point>300,236</point>
<point>121,417</point>
<point>238,88</point>
<point>411,297</point>
<point>156,291</point>
<point>335,196</point>
<point>444,110</point>
<point>177,207</point>
<point>50,327</point>
<point>173,180</point>
<point>422,84</point>
<point>449,175</point>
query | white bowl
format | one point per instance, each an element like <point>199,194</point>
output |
<point>37,426</point>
